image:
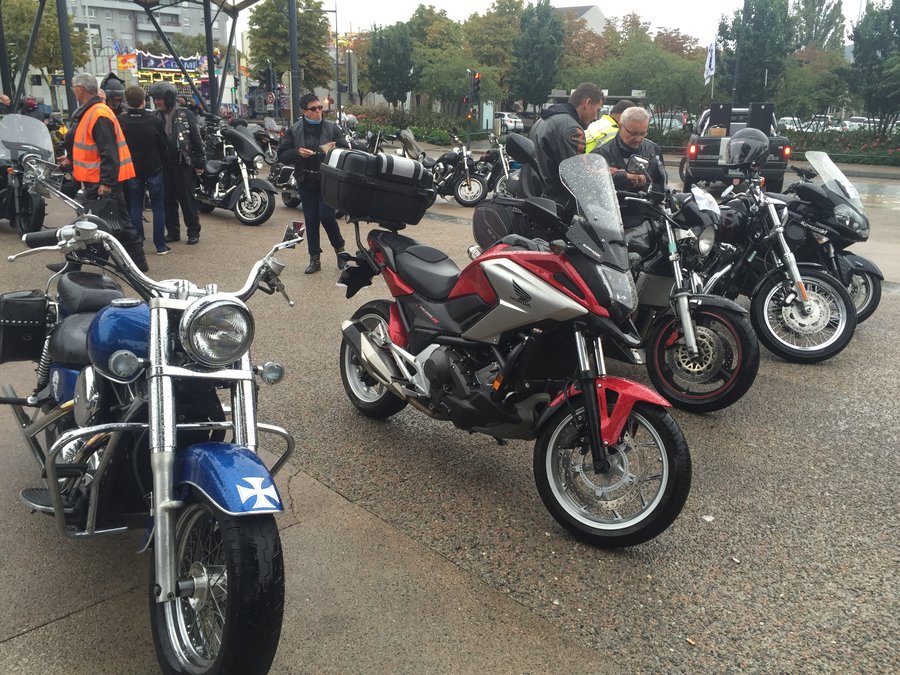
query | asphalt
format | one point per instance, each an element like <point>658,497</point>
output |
<point>413,547</point>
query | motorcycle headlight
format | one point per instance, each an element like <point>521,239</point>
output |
<point>706,240</point>
<point>850,217</point>
<point>620,286</point>
<point>259,162</point>
<point>216,330</point>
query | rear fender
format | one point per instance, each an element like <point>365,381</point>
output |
<point>627,392</point>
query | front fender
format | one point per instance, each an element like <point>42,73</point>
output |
<point>859,264</point>
<point>782,270</point>
<point>263,184</point>
<point>238,191</point>
<point>711,300</point>
<point>627,394</point>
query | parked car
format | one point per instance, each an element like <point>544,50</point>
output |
<point>510,122</point>
<point>664,122</point>
<point>789,124</point>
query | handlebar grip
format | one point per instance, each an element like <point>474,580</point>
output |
<point>41,238</point>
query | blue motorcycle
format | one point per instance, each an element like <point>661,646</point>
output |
<point>126,424</point>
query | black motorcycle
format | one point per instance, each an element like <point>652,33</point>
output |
<point>21,137</point>
<point>494,166</point>
<point>823,220</point>
<point>268,136</point>
<point>454,172</point>
<point>231,182</point>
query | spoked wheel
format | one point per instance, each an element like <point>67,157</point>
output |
<point>231,622</point>
<point>256,209</point>
<point>468,192</point>
<point>369,396</point>
<point>500,188</point>
<point>270,156</point>
<point>787,329</point>
<point>721,372</point>
<point>865,290</point>
<point>632,500</point>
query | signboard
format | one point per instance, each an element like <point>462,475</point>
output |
<point>638,93</point>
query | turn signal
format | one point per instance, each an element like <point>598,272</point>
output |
<point>271,372</point>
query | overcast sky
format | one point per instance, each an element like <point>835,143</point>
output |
<point>699,21</point>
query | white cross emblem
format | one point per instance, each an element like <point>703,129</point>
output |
<point>262,495</point>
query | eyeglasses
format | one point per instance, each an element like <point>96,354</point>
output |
<point>634,134</point>
<point>315,107</point>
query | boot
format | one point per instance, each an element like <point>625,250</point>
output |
<point>314,265</point>
<point>341,264</point>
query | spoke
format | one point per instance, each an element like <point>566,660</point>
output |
<point>617,515</point>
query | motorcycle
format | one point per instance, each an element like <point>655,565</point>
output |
<point>512,347</point>
<point>268,136</point>
<point>22,136</point>
<point>494,167</point>
<point>128,431</point>
<point>700,350</point>
<point>231,182</point>
<point>823,220</point>
<point>799,311</point>
<point>454,172</point>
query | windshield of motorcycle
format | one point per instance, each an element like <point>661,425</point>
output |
<point>244,144</point>
<point>833,179</point>
<point>23,135</point>
<point>598,231</point>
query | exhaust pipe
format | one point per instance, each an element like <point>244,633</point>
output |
<point>376,362</point>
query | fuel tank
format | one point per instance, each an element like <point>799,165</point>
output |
<point>122,325</point>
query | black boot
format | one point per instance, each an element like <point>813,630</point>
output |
<point>341,264</point>
<point>314,265</point>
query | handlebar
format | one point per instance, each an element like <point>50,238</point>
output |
<point>42,238</point>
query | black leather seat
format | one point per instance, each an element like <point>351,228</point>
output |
<point>428,163</point>
<point>86,292</point>
<point>213,166</point>
<point>68,343</point>
<point>427,270</point>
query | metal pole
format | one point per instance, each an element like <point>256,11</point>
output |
<point>212,84</point>
<point>295,60</point>
<point>65,46</point>
<point>348,55</point>
<point>225,63</point>
<point>5,75</point>
<point>177,59</point>
<point>739,52</point>
<point>337,64</point>
<point>20,89</point>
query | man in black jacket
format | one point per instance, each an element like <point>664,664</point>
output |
<point>304,146</point>
<point>146,138</point>
<point>559,134</point>
<point>631,139</point>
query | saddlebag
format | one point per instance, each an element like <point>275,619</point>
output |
<point>23,325</point>
<point>386,189</point>
<point>501,216</point>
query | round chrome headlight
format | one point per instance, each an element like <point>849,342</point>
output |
<point>706,240</point>
<point>216,330</point>
<point>259,162</point>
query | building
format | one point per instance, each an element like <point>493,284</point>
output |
<point>593,17</point>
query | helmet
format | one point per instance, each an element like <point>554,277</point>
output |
<point>114,88</point>
<point>29,103</point>
<point>164,90</point>
<point>748,147</point>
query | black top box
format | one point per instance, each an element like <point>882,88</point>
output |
<point>386,189</point>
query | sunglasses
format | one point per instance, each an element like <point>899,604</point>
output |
<point>315,107</point>
<point>635,134</point>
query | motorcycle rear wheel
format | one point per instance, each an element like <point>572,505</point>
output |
<point>32,209</point>
<point>788,333</point>
<point>635,499</point>
<point>366,393</point>
<point>238,568</point>
<point>865,290</point>
<point>720,374</point>
<point>471,192</point>
<point>257,209</point>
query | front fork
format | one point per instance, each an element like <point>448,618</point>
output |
<point>587,379</point>
<point>246,181</point>
<point>682,294</point>
<point>787,256</point>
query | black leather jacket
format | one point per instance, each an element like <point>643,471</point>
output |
<point>616,154</point>
<point>185,142</point>
<point>558,135</point>
<point>295,138</point>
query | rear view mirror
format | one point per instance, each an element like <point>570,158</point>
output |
<point>637,165</point>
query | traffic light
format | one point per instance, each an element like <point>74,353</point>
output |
<point>465,100</point>
<point>476,85</point>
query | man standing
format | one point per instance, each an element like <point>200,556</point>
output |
<point>100,160</point>
<point>115,93</point>
<point>5,104</point>
<point>559,134</point>
<point>631,139</point>
<point>185,158</point>
<point>146,137</point>
<point>605,129</point>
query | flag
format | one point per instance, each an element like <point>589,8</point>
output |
<point>710,69</point>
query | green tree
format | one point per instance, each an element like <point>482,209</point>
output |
<point>491,40</point>
<point>875,74</point>
<point>391,62</point>
<point>361,46</point>
<point>819,24</point>
<point>269,41</point>
<point>813,80</point>
<point>440,63</point>
<point>538,53</point>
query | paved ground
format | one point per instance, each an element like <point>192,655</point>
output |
<point>414,547</point>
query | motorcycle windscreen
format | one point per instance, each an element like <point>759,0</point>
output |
<point>243,142</point>
<point>833,179</point>
<point>22,135</point>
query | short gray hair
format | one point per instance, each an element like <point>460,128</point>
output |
<point>86,80</point>
<point>634,114</point>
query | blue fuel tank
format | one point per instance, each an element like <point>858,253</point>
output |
<point>124,324</point>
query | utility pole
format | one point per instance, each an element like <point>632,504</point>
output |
<point>739,51</point>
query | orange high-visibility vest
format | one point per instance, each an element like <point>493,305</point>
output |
<point>86,157</point>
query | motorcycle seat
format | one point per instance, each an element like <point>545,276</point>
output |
<point>213,166</point>
<point>427,270</point>
<point>428,163</point>
<point>68,342</point>
<point>79,292</point>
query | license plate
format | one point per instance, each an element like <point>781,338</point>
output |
<point>735,173</point>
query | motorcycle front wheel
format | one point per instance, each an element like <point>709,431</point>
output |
<point>788,331</point>
<point>366,393</point>
<point>500,188</point>
<point>865,290</point>
<point>270,156</point>
<point>470,192</point>
<point>721,372</point>
<point>231,623</point>
<point>629,502</point>
<point>256,209</point>
<point>290,200</point>
<point>32,209</point>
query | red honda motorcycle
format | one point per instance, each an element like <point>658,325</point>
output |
<point>512,345</point>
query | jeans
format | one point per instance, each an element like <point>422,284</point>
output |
<point>316,211</point>
<point>135,189</point>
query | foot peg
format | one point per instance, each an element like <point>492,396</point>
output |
<point>38,499</point>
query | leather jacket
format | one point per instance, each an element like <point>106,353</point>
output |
<point>558,135</point>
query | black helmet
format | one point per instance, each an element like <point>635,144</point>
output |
<point>164,90</point>
<point>748,147</point>
<point>113,86</point>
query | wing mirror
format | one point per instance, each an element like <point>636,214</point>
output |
<point>638,165</point>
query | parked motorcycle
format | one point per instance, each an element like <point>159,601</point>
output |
<point>268,136</point>
<point>823,220</point>
<point>22,137</point>
<point>454,172</point>
<point>231,182</point>
<point>494,167</point>
<point>800,312</point>
<point>128,431</point>
<point>512,347</point>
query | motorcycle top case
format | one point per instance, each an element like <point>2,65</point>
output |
<point>386,189</point>
<point>23,325</point>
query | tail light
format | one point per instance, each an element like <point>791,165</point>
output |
<point>787,152</point>
<point>692,151</point>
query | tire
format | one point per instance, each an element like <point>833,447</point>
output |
<point>720,374</point>
<point>865,291</point>
<point>500,188</point>
<point>32,209</point>
<point>797,338</point>
<point>682,169</point>
<point>369,396</point>
<point>256,210</point>
<point>470,193</point>
<point>270,156</point>
<point>504,129</point>
<point>247,550</point>
<point>202,207</point>
<point>292,202</point>
<point>569,487</point>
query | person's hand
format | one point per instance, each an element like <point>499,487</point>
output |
<point>306,152</point>
<point>199,172</point>
<point>104,190</point>
<point>636,179</point>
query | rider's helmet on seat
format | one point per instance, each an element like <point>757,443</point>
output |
<point>748,147</point>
